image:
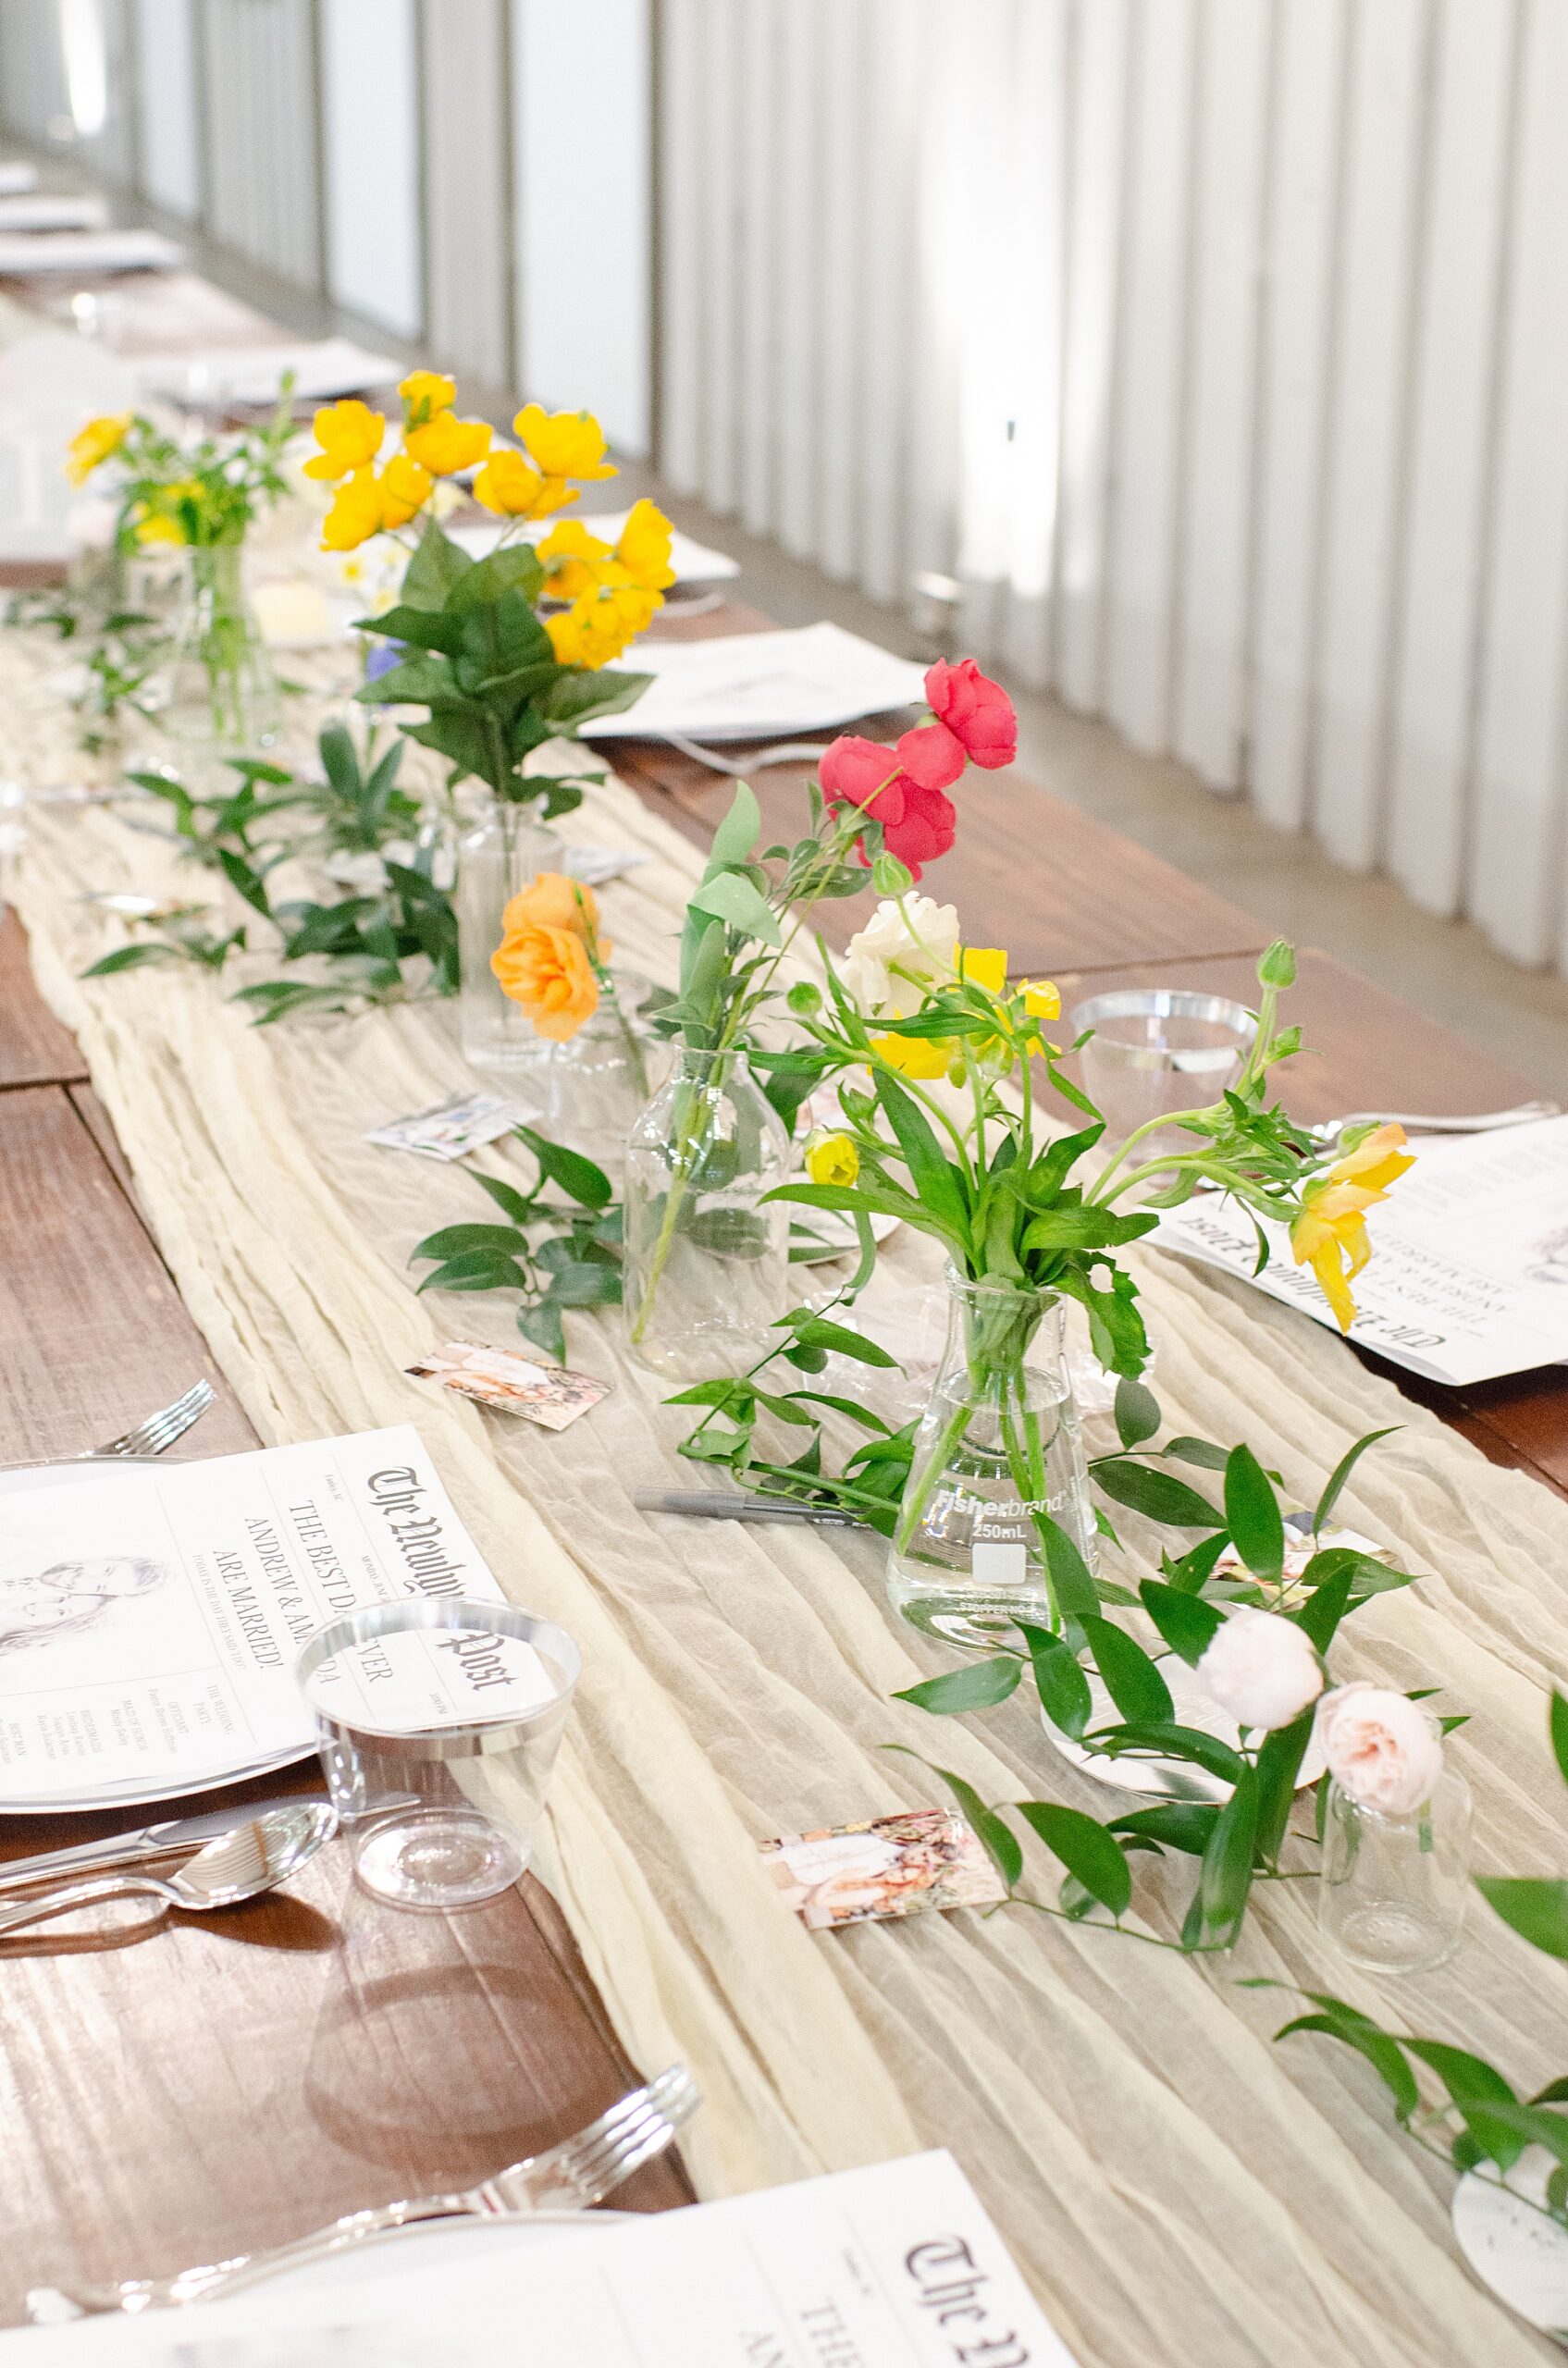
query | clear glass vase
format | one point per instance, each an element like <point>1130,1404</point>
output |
<point>222,694</point>
<point>998,1443</point>
<point>496,858</point>
<point>706,1261</point>
<point>1392,1888</point>
<point>597,1084</point>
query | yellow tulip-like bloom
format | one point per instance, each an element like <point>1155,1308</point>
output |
<point>1330,1234</point>
<point>507,485</point>
<point>97,442</point>
<point>644,548</point>
<point>1041,999</point>
<point>564,443</point>
<point>984,965</point>
<point>554,900</point>
<point>444,445</point>
<point>916,1057</point>
<point>426,392</point>
<point>547,973</point>
<point>572,559</point>
<point>405,490</point>
<point>831,1158</point>
<point>155,528</point>
<point>350,436</point>
<point>597,628</point>
<point>357,513</point>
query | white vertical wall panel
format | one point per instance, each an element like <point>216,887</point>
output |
<point>582,298</point>
<point>169,132</point>
<point>1150,409</point>
<point>1452,450</point>
<point>370,109</point>
<point>797,224</point>
<point>681,250</point>
<point>720,138</point>
<point>465,86</point>
<point>32,67</point>
<point>259,96</point>
<point>1097,131</point>
<point>890,132</point>
<point>1297,360</point>
<point>1365,498</point>
<point>1520,844</point>
<point>1034,312</point>
<point>1219,460</point>
<point>843,70</point>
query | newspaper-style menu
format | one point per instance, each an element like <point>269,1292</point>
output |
<point>150,1616</point>
<point>896,2266</point>
<point>1469,1272</point>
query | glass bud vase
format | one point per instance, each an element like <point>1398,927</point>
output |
<point>997,1444</point>
<point>496,858</point>
<point>598,1081</point>
<point>222,693</point>
<point>1392,1887</point>
<point>706,1270</point>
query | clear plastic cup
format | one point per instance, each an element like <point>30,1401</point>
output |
<point>437,1725</point>
<point>1157,1050</point>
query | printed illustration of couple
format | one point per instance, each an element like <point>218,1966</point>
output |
<point>40,1607</point>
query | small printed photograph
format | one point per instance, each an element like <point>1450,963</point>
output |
<point>43,1607</point>
<point>888,1866</point>
<point>547,1395</point>
<point>452,1128</point>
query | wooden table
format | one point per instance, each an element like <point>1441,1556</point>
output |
<point>169,2096</point>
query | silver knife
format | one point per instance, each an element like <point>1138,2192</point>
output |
<point>130,1849</point>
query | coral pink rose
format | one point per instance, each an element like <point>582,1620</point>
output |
<point>918,823</point>
<point>1381,1747</point>
<point>931,756</point>
<point>925,829</point>
<point>1262,1669</point>
<point>852,771</point>
<point>976,711</point>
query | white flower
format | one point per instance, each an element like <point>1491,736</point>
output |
<point>920,936</point>
<point>1262,1669</point>
<point>1382,1748</point>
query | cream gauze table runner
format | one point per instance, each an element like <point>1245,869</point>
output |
<point>1177,2186</point>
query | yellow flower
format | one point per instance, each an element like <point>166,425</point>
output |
<point>596,627</point>
<point>350,436</point>
<point>1330,1234</point>
<point>831,1158</point>
<point>1041,999</point>
<point>984,965</point>
<point>357,513</point>
<point>426,392</point>
<point>564,443</point>
<point>405,490</point>
<point>918,1056</point>
<point>97,442</point>
<point>156,529</point>
<point>572,559</point>
<point>644,548</point>
<point>444,445</point>
<point>507,485</point>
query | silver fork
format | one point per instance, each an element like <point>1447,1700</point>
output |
<point>580,2171</point>
<point>1480,1122</point>
<point>149,1436</point>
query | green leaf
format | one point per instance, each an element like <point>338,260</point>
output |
<point>1090,1227</point>
<point>1129,1677</point>
<point>935,1185</point>
<point>819,1332</point>
<point>437,568</point>
<point>1064,1690</point>
<point>1085,1848</point>
<point>453,1239</point>
<point>130,957</point>
<point>541,1324</point>
<point>1159,1496</point>
<point>1278,1765</point>
<point>1381,2052</point>
<point>1137,1413</point>
<point>575,698</point>
<point>1173,1743</point>
<point>1226,1876</point>
<point>739,830</point>
<point>577,1176</point>
<point>1202,1451</point>
<point>1536,1910</point>
<point>1253,1516</point>
<point>1070,1574</point>
<point>520,1209</point>
<point>731,897</point>
<point>1191,1572</point>
<point>1342,1471</point>
<point>1330,1576</point>
<point>1000,1841</point>
<point>476,1270</point>
<point>1177,1825</point>
<point>416,628</point>
<point>980,1685</point>
<point>1188,1625</point>
<point>1558,1728</point>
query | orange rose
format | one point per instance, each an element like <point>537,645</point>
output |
<point>551,900</point>
<point>548,972</point>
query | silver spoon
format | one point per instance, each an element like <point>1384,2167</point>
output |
<point>241,1864</point>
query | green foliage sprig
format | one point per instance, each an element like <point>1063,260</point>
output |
<point>478,659</point>
<point>557,1253</point>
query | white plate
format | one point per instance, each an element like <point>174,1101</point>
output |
<point>450,2245</point>
<point>1515,2250</point>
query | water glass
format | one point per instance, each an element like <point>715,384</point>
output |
<point>438,1725</point>
<point>1157,1050</point>
<point>1392,1889</point>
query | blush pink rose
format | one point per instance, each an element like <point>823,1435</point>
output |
<point>976,711</point>
<point>1382,1748</point>
<point>1262,1669</point>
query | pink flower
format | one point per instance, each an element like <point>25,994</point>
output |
<point>918,823</point>
<point>976,711</point>
<point>931,756</point>
<point>1262,1669</point>
<point>1382,1748</point>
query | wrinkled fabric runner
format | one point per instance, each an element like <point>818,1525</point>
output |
<point>1176,2187</point>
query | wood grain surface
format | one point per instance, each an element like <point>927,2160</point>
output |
<point>34,1048</point>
